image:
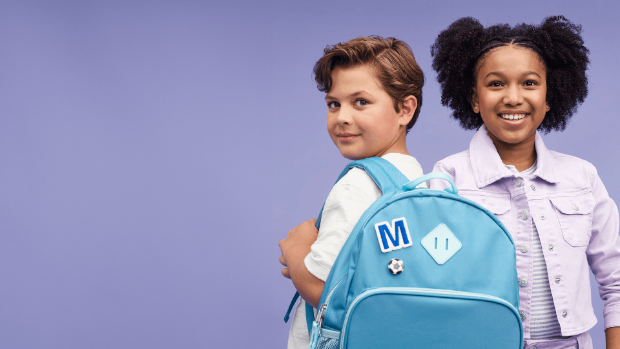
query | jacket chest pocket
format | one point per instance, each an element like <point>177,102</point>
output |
<point>575,216</point>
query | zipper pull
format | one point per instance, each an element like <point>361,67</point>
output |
<point>316,327</point>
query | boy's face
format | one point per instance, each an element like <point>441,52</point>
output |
<point>361,119</point>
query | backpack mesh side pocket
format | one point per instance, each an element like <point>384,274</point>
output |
<point>328,343</point>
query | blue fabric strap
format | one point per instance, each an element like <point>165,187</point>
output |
<point>309,317</point>
<point>290,307</point>
<point>385,175</point>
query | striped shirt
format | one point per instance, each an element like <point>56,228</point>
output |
<point>543,318</point>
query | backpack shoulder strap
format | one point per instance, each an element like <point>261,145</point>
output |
<point>385,175</point>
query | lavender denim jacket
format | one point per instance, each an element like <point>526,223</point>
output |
<point>575,217</point>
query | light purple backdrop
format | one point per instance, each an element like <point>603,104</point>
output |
<point>152,154</point>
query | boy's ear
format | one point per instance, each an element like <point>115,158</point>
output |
<point>407,109</point>
<point>475,103</point>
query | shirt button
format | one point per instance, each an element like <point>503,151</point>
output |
<point>533,187</point>
<point>519,182</point>
<point>550,247</point>
<point>523,315</point>
<point>524,248</point>
<point>557,280</point>
<point>564,314</point>
<point>542,216</point>
<point>522,282</point>
<point>575,207</point>
<point>524,214</point>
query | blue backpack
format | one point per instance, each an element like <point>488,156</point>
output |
<point>422,268</point>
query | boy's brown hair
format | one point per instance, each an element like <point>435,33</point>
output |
<point>392,59</point>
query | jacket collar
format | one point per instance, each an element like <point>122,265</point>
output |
<point>488,166</point>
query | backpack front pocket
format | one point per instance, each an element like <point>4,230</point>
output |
<point>395,317</point>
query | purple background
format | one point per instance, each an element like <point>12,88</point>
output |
<point>152,154</point>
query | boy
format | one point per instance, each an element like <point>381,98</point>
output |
<point>373,93</point>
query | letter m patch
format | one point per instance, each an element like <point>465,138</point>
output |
<point>393,237</point>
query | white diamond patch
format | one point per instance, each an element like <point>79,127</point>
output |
<point>441,244</point>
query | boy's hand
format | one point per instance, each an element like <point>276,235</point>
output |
<point>297,243</point>
<point>295,248</point>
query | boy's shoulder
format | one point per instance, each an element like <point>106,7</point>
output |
<point>360,180</point>
<point>356,180</point>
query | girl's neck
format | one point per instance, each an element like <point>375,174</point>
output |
<point>521,155</point>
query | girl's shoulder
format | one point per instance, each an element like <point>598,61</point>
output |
<point>565,165</point>
<point>453,162</point>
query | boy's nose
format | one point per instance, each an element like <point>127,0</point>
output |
<point>344,117</point>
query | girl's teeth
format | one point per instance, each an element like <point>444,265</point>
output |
<point>513,116</point>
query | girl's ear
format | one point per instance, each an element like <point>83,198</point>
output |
<point>407,109</point>
<point>475,105</point>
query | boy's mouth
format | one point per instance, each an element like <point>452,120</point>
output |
<point>512,116</point>
<point>346,137</point>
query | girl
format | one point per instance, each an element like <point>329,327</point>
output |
<point>509,83</point>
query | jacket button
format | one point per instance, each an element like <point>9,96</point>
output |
<point>550,247</point>
<point>557,280</point>
<point>564,314</point>
<point>533,187</point>
<point>524,248</point>
<point>575,207</point>
<point>542,216</point>
<point>522,282</point>
<point>519,182</point>
<point>524,214</point>
<point>522,315</point>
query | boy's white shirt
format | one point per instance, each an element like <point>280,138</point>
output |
<point>345,204</point>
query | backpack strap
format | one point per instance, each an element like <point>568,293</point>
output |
<point>385,175</point>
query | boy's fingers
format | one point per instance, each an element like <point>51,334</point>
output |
<point>285,273</point>
<point>313,222</point>
<point>282,261</point>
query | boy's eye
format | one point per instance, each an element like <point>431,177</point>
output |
<point>495,84</point>
<point>333,105</point>
<point>530,83</point>
<point>361,102</point>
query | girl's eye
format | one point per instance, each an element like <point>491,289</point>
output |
<point>333,105</point>
<point>495,84</point>
<point>530,83</point>
<point>361,102</point>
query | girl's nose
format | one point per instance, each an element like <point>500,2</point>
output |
<point>513,96</point>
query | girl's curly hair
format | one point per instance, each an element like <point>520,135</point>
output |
<point>459,52</point>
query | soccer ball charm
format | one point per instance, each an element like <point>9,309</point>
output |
<point>396,266</point>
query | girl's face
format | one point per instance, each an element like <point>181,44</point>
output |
<point>361,119</point>
<point>510,94</point>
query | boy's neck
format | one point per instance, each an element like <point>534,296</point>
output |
<point>399,147</point>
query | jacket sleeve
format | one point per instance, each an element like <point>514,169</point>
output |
<point>604,251</point>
